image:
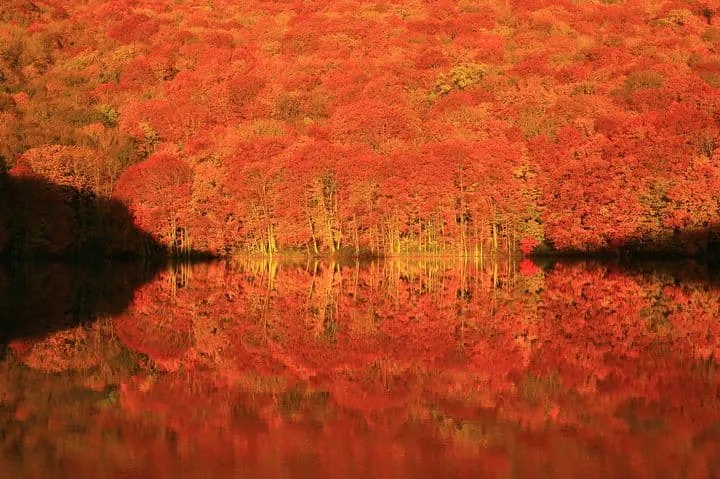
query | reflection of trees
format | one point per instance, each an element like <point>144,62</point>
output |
<point>39,299</point>
<point>318,318</point>
<point>475,362</point>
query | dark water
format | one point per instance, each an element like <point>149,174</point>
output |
<point>388,369</point>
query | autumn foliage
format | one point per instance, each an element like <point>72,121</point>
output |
<point>387,367</point>
<point>380,128</point>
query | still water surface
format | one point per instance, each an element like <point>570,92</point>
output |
<point>385,369</point>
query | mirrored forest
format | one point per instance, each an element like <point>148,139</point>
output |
<point>293,238</point>
<point>384,368</point>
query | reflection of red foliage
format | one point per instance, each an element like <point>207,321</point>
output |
<point>158,327</point>
<point>528,268</point>
<point>398,365</point>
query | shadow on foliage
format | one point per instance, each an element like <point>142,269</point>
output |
<point>691,255</point>
<point>39,219</point>
<point>68,257</point>
<point>673,243</point>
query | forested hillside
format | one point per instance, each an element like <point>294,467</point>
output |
<point>383,127</point>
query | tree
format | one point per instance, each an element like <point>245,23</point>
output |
<point>158,192</point>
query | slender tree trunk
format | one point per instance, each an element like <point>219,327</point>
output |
<point>494,236</point>
<point>357,238</point>
<point>313,236</point>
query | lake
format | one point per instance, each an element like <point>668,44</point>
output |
<point>397,368</point>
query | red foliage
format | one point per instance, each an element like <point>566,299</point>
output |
<point>157,192</point>
<point>417,354</point>
<point>133,28</point>
<point>592,118</point>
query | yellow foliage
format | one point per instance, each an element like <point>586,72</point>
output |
<point>712,35</point>
<point>675,18</point>
<point>459,78</point>
<point>253,129</point>
<point>642,80</point>
<point>79,62</point>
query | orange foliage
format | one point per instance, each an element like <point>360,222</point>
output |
<point>583,125</point>
<point>389,368</point>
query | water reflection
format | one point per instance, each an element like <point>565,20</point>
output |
<point>37,299</point>
<point>385,369</point>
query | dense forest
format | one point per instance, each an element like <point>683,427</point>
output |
<point>379,127</point>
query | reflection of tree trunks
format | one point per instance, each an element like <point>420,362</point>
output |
<point>313,274</point>
<point>356,278</point>
<point>266,307</point>
<point>179,276</point>
<point>272,274</point>
<point>323,307</point>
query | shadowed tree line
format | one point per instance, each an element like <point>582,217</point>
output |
<point>40,219</point>
<point>699,243</point>
<point>69,257</point>
<point>703,271</point>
